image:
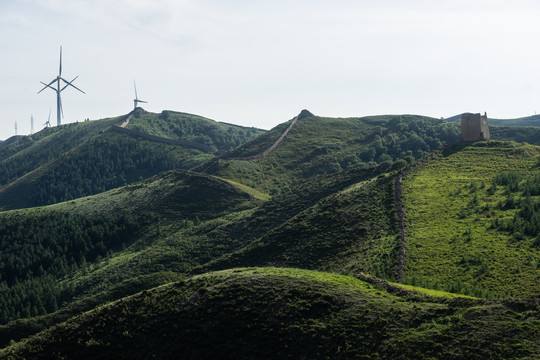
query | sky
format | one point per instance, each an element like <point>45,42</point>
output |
<point>260,62</point>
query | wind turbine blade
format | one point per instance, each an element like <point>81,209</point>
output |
<point>61,108</point>
<point>49,119</point>
<point>47,86</point>
<point>60,72</point>
<point>135,86</point>
<point>141,101</point>
<point>69,83</point>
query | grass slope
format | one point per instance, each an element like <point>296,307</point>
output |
<point>28,153</point>
<point>319,145</point>
<point>188,127</point>
<point>184,244</point>
<point>284,313</point>
<point>75,160</point>
<point>101,163</point>
<point>52,254</point>
<point>351,230</point>
<point>451,204</point>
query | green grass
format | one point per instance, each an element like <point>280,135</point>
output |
<point>431,292</point>
<point>111,237</point>
<point>320,145</point>
<point>253,192</point>
<point>351,230</point>
<point>277,313</point>
<point>194,128</point>
<point>451,244</point>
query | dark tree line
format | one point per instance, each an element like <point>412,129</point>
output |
<point>401,138</point>
<point>107,162</point>
<point>522,193</point>
<point>36,251</point>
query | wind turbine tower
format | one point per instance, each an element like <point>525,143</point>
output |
<point>136,101</point>
<point>59,88</point>
<point>31,124</point>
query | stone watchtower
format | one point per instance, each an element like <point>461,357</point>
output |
<point>474,127</point>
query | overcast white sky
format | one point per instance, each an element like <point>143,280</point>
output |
<point>259,62</point>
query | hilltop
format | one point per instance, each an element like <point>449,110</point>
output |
<point>319,145</point>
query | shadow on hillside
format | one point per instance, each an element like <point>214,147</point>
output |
<point>452,149</point>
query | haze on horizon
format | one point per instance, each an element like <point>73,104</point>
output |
<point>258,63</point>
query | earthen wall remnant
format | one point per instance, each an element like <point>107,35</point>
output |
<point>474,127</point>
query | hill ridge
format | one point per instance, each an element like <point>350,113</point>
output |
<point>271,148</point>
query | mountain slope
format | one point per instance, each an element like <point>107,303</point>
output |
<point>50,255</point>
<point>63,163</point>
<point>466,228</point>
<point>318,145</point>
<point>529,135</point>
<point>30,152</point>
<point>181,126</point>
<point>351,230</point>
<point>278,313</point>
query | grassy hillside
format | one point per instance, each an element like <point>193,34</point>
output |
<point>317,145</point>
<point>351,230</point>
<point>30,152</point>
<point>188,127</point>
<point>67,162</point>
<point>185,243</point>
<point>50,255</point>
<point>284,313</point>
<point>473,219</point>
<point>467,228</point>
<point>177,230</point>
<point>99,164</point>
<point>25,327</point>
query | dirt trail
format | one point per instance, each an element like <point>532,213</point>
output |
<point>267,151</point>
<point>125,123</point>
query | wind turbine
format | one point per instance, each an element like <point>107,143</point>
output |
<point>136,101</point>
<point>48,123</point>
<point>59,89</point>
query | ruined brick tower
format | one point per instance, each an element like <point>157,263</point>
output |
<point>474,127</point>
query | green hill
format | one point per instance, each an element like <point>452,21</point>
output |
<point>467,227</point>
<point>67,162</point>
<point>352,229</point>
<point>283,313</point>
<point>181,126</point>
<point>529,135</point>
<point>319,145</point>
<point>53,254</point>
<point>18,158</point>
